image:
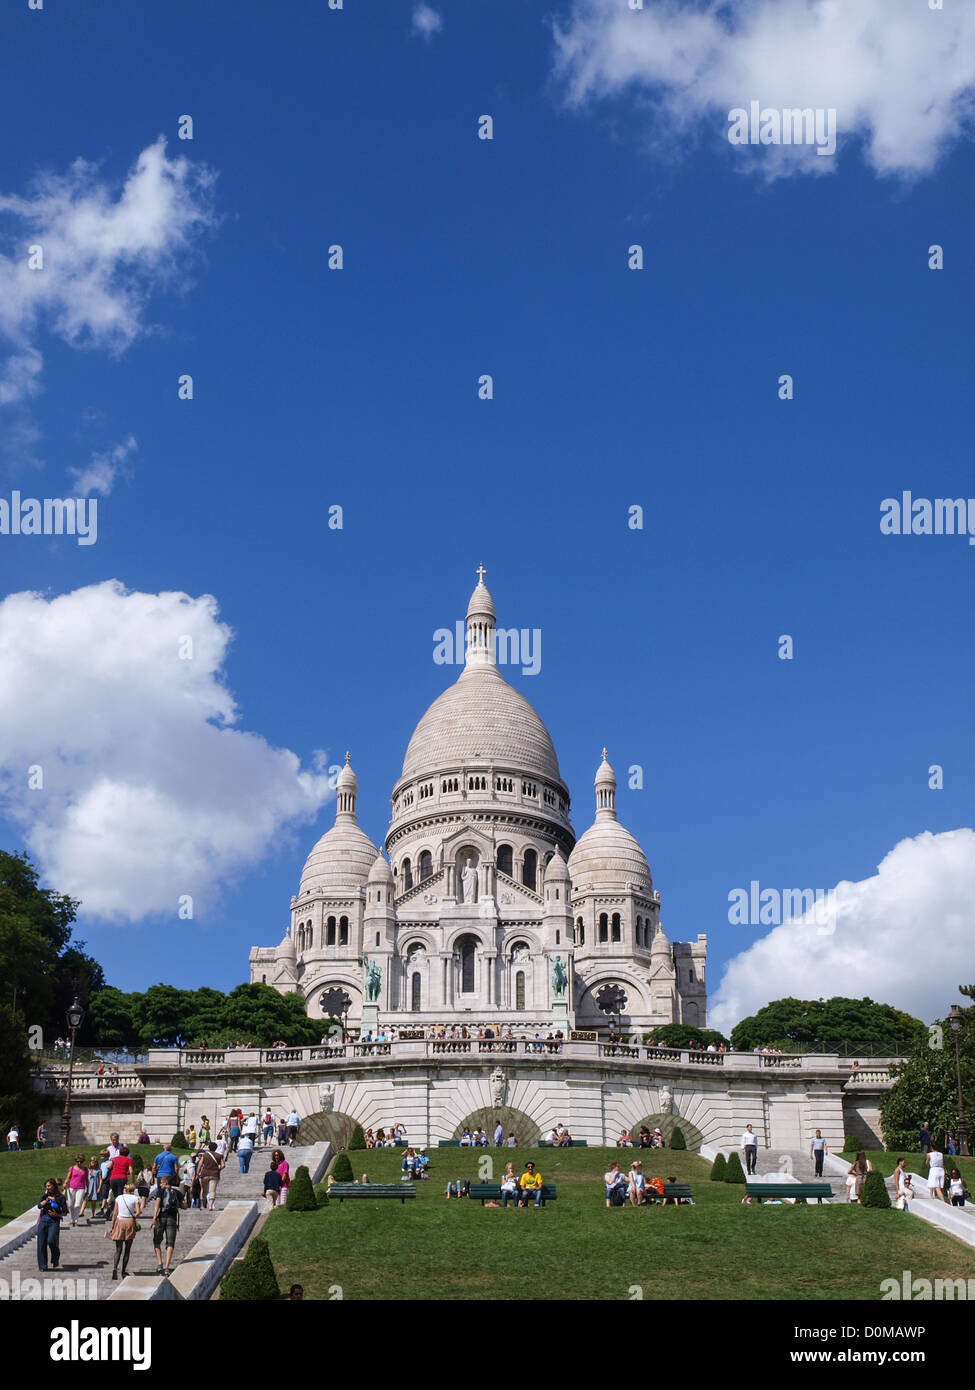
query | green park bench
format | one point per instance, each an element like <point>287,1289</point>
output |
<point>573,1144</point>
<point>491,1192</point>
<point>781,1190</point>
<point>671,1189</point>
<point>380,1190</point>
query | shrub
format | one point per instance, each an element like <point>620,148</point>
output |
<point>851,1145</point>
<point>734,1172</point>
<point>358,1140</point>
<point>677,1140</point>
<point>718,1169</point>
<point>342,1168</point>
<point>301,1194</point>
<point>252,1279</point>
<point>178,1142</point>
<point>874,1192</point>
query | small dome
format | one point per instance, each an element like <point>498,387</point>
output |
<point>346,778</point>
<point>608,858</point>
<point>557,870</point>
<point>481,604</point>
<point>339,863</point>
<point>660,946</point>
<point>381,873</point>
<point>287,946</point>
<point>605,776</point>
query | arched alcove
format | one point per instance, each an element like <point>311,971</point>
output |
<point>515,1122</point>
<point>665,1123</point>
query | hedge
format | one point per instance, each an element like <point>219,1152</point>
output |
<point>252,1279</point>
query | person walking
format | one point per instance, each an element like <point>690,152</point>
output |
<point>208,1170</point>
<point>245,1149</point>
<point>924,1136</point>
<point>233,1131</point>
<point>936,1172</point>
<point>120,1173</point>
<point>125,1209</point>
<point>53,1209</point>
<point>251,1127</point>
<point>267,1128</point>
<point>13,1139</point>
<point>41,1136</point>
<point>76,1187</point>
<point>818,1149</point>
<point>272,1185</point>
<point>749,1149</point>
<point>165,1223</point>
<point>856,1175</point>
<point>293,1121</point>
<point>166,1164</point>
<point>498,1134</point>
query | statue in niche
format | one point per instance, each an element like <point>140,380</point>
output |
<point>468,881</point>
<point>499,1085</point>
<point>559,978</point>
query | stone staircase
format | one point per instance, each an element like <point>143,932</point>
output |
<point>87,1255</point>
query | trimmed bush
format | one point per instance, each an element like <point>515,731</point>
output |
<point>719,1169</point>
<point>677,1140</point>
<point>358,1140</point>
<point>252,1279</point>
<point>874,1192</point>
<point>301,1194</point>
<point>342,1168</point>
<point>850,1145</point>
<point>734,1172</point>
<point>178,1142</point>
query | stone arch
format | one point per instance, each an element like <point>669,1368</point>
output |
<point>666,1123</point>
<point>513,1121</point>
<point>328,1126</point>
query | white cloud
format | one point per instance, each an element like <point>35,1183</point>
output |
<point>104,251</point>
<point>900,75</point>
<point>150,792</point>
<point>100,472</point>
<point>426,20</point>
<point>902,937</point>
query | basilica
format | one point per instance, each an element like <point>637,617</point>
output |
<point>485,909</point>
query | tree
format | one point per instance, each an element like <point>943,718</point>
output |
<point>342,1168</point>
<point>358,1140</point>
<point>874,1192</point>
<point>734,1171</point>
<point>260,1014</point>
<point>35,929</point>
<point>164,1015</point>
<point>719,1169</point>
<point>926,1085</point>
<point>17,1099</point>
<point>301,1194</point>
<point>799,1023</point>
<point>681,1034</point>
<point>252,1279</point>
<point>114,1018</point>
<point>677,1140</point>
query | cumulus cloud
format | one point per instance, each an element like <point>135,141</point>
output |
<point>97,254</point>
<point>426,20</point>
<point>150,791</point>
<point>900,76</point>
<point>902,937</point>
<point>100,472</point>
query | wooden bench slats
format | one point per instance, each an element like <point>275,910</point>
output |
<point>342,1190</point>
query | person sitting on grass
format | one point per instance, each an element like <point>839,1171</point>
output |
<point>531,1181</point>
<point>625,1141</point>
<point>408,1166</point>
<point>656,1186</point>
<point>612,1182</point>
<point>636,1188</point>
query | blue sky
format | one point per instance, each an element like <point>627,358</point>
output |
<point>613,387</point>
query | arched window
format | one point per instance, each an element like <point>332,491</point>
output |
<point>616,926</point>
<point>580,931</point>
<point>407,875</point>
<point>426,865</point>
<point>603,927</point>
<point>415,992</point>
<point>377,938</point>
<point>520,990</point>
<point>467,946</point>
<point>529,871</point>
<point>504,860</point>
<point>343,931</point>
<point>638,931</point>
<point>330,932</point>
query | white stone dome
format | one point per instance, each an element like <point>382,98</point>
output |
<point>607,857</point>
<point>381,872</point>
<point>340,862</point>
<point>480,718</point>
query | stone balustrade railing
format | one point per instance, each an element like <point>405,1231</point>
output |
<point>82,1082</point>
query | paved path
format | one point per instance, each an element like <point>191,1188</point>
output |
<point>88,1255</point>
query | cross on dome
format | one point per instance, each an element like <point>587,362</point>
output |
<point>480,572</point>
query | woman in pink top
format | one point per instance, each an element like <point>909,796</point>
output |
<point>75,1187</point>
<point>281,1166</point>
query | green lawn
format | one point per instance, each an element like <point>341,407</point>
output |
<point>22,1174</point>
<point>575,1248</point>
<point>885,1161</point>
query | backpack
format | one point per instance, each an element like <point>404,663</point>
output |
<point>616,1197</point>
<point>171,1202</point>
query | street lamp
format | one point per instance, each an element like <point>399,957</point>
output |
<point>955,1018</point>
<point>75,1016</point>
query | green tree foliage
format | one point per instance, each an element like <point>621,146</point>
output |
<point>115,1018</point>
<point>252,1279</point>
<point>926,1085</point>
<point>342,1168</point>
<point>301,1194</point>
<point>178,1142</point>
<point>259,1014</point>
<point>17,1100</point>
<point>789,1023</point>
<point>677,1140</point>
<point>358,1140</point>
<point>734,1171</point>
<point>681,1034</point>
<point>719,1169</point>
<point>874,1193</point>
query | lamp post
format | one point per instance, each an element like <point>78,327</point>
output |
<point>75,1016</point>
<point>954,1016</point>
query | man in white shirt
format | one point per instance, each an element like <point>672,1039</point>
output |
<point>13,1138</point>
<point>818,1149</point>
<point>251,1125</point>
<point>749,1149</point>
<point>221,1145</point>
<point>114,1147</point>
<point>498,1135</point>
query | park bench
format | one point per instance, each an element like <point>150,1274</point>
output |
<point>491,1192</point>
<point>380,1190</point>
<point>456,1144</point>
<point>671,1189</point>
<point>572,1144</point>
<point>781,1190</point>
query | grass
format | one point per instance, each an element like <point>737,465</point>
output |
<point>432,1249</point>
<point>22,1174</point>
<point>885,1161</point>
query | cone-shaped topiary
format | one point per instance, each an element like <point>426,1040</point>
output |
<point>301,1194</point>
<point>358,1140</point>
<point>719,1169</point>
<point>850,1145</point>
<point>874,1193</point>
<point>677,1140</point>
<point>252,1279</point>
<point>342,1168</point>
<point>734,1172</point>
<point>178,1141</point>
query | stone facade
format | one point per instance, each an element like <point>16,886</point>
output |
<point>486,898</point>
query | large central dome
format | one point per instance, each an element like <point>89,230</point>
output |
<point>480,717</point>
